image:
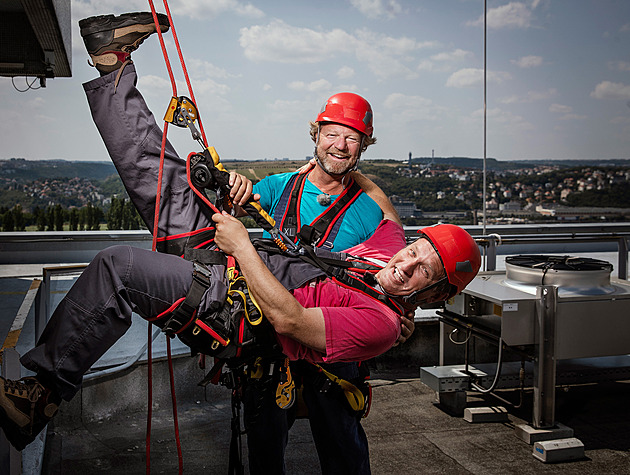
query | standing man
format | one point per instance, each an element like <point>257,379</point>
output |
<point>342,131</point>
<point>325,207</point>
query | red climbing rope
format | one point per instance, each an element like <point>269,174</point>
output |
<point>156,230</point>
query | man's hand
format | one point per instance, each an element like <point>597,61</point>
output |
<point>241,189</point>
<point>282,310</point>
<point>307,166</point>
<point>231,236</point>
<point>406,327</point>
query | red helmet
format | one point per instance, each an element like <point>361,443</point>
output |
<point>348,109</point>
<point>458,251</point>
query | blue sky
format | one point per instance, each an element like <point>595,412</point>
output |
<point>558,80</point>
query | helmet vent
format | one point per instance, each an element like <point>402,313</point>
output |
<point>463,266</point>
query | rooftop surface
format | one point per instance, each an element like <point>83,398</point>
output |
<point>103,429</point>
<point>408,434</point>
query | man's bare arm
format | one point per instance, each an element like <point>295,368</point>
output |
<point>381,199</point>
<point>284,312</point>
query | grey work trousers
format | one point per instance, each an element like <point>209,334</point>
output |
<point>97,310</point>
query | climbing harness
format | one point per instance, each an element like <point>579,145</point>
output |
<point>322,231</point>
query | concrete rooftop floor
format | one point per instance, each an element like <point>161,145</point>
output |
<point>407,431</point>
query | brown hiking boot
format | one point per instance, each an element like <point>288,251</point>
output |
<point>110,39</point>
<point>25,408</point>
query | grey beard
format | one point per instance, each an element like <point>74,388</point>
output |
<point>320,162</point>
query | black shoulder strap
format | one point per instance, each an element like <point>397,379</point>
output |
<point>337,270</point>
<point>323,230</point>
<point>285,211</point>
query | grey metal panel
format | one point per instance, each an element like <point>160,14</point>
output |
<point>593,328</point>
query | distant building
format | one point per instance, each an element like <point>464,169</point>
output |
<point>406,209</point>
<point>510,206</point>
<point>562,213</point>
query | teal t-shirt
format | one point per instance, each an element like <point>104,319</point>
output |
<point>359,223</point>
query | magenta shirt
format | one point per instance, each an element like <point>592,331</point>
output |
<point>357,326</point>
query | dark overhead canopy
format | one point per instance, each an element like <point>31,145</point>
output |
<point>35,38</point>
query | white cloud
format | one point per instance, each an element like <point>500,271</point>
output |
<point>444,62</point>
<point>470,77</point>
<point>36,103</point>
<point>611,90</point>
<point>619,65</point>
<point>314,86</point>
<point>290,112</point>
<point>528,62</point>
<point>411,108</point>
<point>156,85</point>
<point>378,8</point>
<point>386,56</point>
<point>560,109</point>
<point>201,68</point>
<point>514,124</point>
<point>152,83</point>
<point>512,15</point>
<point>345,72</point>
<point>573,117</point>
<point>205,9</point>
<point>452,56</point>
<point>566,112</point>
<point>531,96</point>
<point>283,43</point>
<point>86,8</point>
<point>191,8</point>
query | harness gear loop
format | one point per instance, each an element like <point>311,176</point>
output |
<point>353,394</point>
<point>285,391</point>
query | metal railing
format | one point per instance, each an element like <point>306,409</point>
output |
<point>490,243</point>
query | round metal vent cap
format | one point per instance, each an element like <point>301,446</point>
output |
<point>582,275</point>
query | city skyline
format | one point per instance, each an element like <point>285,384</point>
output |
<point>558,78</point>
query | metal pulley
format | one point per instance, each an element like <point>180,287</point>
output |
<point>182,112</point>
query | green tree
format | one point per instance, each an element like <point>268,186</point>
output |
<point>50,218</point>
<point>115,214</point>
<point>39,216</point>
<point>94,217</point>
<point>19,218</point>
<point>130,216</point>
<point>8,222</point>
<point>74,219</point>
<point>58,217</point>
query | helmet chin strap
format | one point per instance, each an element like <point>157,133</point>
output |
<point>411,299</point>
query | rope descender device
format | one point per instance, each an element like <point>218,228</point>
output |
<point>205,171</point>
<point>182,112</point>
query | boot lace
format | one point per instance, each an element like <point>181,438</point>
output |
<point>29,388</point>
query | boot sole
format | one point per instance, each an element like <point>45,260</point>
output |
<point>17,436</point>
<point>104,23</point>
